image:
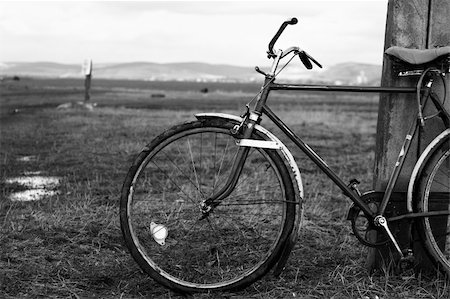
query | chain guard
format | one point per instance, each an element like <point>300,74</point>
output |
<point>364,229</point>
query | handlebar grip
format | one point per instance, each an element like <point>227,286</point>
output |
<point>306,59</point>
<point>291,21</point>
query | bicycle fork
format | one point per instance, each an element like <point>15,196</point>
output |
<point>208,205</point>
<point>248,124</point>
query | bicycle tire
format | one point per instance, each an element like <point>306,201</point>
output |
<point>233,247</point>
<point>434,195</point>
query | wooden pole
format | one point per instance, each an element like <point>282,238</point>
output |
<point>87,80</point>
<point>418,24</point>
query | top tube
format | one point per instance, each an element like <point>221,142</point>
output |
<point>342,88</point>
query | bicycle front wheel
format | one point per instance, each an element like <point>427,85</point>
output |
<point>161,215</point>
<point>434,195</point>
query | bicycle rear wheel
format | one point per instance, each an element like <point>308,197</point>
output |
<point>238,242</point>
<point>434,195</point>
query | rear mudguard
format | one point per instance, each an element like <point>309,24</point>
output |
<point>294,171</point>
<point>415,176</point>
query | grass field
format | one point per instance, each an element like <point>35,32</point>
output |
<point>69,244</point>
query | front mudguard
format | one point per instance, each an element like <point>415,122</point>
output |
<point>295,176</point>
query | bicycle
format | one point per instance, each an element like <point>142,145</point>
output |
<point>216,203</point>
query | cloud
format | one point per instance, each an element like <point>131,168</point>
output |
<point>219,32</point>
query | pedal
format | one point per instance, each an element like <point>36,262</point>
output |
<point>354,186</point>
<point>407,260</point>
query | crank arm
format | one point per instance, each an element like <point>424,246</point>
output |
<point>380,221</point>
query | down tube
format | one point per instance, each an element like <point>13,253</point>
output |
<point>317,160</point>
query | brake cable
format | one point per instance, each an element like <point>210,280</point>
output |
<point>270,81</point>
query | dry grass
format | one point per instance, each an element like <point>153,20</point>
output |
<point>70,245</point>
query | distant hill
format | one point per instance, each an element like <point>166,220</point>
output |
<point>40,69</point>
<point>353,73</point>
<point>344,73</point>
<point>189,71</point>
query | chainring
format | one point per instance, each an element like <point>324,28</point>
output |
<point>364,229</point>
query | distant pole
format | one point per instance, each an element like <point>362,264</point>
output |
<point>87,80</point>
<point>418,24</point>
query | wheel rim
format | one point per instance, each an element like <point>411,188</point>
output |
<point>229,244</point>
<point>438,186</point>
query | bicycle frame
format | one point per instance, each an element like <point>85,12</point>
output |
<point>253,118</point>
<point>323,165</point>
<point>319,161</point>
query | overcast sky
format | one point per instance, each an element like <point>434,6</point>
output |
<point>225,32</point>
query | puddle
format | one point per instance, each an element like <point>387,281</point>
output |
<point>28,173</point>
<point>38,186</point>
<point>27,159</point>
<point>35,182</point>
<point>31,195</point>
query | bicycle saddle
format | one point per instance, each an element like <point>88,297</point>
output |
<point>415,56</point>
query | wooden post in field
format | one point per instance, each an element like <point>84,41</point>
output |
<point>418,24</point>
<point>87,80</point>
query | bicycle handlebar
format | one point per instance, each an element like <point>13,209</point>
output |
<point>291,21</point>
<point>304,57</point>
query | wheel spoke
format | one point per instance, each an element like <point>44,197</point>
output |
<point>193,167</point>
<point>174,182</point>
